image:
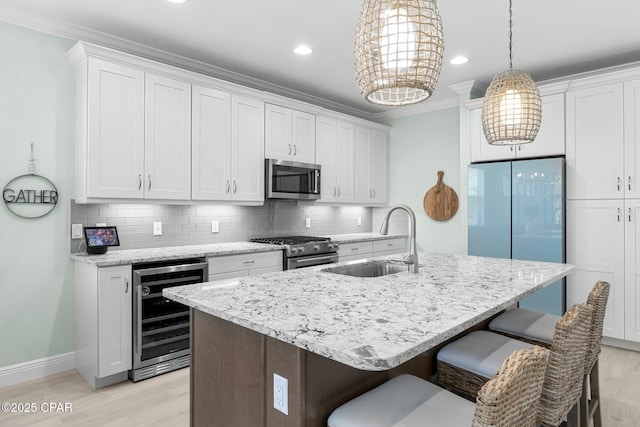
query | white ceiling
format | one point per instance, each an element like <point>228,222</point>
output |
<point>251,41</point>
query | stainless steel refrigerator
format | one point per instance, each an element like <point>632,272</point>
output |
<point>517,210</point>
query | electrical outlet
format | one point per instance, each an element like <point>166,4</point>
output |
<point>359,221</point>
<point>157,228</point>
<point>76,231</point>
<point>307,222</point>
<point>281,394</point>
<point>214,226</point>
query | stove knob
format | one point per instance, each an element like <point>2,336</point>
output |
<point>316,247</point>
<point>294,250</point>
<point>302,249</point>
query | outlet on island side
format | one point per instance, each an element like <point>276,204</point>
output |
<point>281,394</point>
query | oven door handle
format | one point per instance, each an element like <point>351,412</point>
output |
<point>311,261</point>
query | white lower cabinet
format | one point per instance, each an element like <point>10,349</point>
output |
<point>373,248</point>
<point>602,242</point>
<point>103,335</point>
<point>243,265</point>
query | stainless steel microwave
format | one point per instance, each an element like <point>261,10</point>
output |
<point>292,180</point>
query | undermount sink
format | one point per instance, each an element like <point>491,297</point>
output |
<point>368,269</point>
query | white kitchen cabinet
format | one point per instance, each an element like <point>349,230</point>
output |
<point>167,154</point>
<point>371,248</point>
<point>335,140</point>
<point>631,139</point>
<point>595,245</point>
<point>109,157</point>
<point>595,143</point>
<point>371,166</point>
<point>550,140</point>
<point>227,146</point>
<point>289,134</point>
<point>103,311</point>
<point>632,270</point>
<point>243,265</point>
<point>247,149</point>
<point>211,144</point>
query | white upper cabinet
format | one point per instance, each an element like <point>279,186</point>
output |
<point>289,134</point>
<point>550,140</point>
<point>371,165</point>
<point>167,138</point>
<point>632,139</point>
<point>335,141</point>
<point>110,130</point>
<point>247,149</point>
<point>211,144</point>
<point>595,143</point>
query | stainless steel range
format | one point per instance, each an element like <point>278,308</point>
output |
<point>304,251</point>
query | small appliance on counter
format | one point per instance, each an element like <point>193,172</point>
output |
<point>285,179</point>
<point>99,239</point>
<point>304,251</point>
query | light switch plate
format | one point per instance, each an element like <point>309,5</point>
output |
<point>281,394</point>
<point>307,222</point>
<point>157,228</point>
<point>76,231</point>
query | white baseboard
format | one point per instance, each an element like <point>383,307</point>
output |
<point>36,369</point>
<point>627,345</point>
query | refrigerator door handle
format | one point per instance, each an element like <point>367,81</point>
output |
<point>618,214</point>
<point>629,214</point>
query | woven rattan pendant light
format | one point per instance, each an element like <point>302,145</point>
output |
<point>398,50</point>
<point>512,109</point>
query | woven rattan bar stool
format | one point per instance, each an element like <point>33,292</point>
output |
<point>510,399</point>
<point>537,328</point>
<point>465,364</point>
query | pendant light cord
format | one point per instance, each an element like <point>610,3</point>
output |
<point>510,37</point>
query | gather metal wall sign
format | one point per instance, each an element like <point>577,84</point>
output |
<point>30,196</point>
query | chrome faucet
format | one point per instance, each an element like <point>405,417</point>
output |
<point>412,259</point>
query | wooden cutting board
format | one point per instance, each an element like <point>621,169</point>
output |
<point>441,201</point>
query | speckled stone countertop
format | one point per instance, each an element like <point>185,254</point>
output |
<point>131,256</point>
<point>362,237</point>
<point>372,323</point>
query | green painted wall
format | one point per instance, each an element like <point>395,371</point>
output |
<point>420,146</point>
<point>36,276</point>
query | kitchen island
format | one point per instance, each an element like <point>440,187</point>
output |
<point>335,336</point>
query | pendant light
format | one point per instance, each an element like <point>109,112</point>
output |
<point>512,109</point>
<point>398,50</point>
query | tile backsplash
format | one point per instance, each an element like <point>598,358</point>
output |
<point>191,224</point>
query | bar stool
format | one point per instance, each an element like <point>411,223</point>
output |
<point>537,328</point>
<point>464,364</point>
<point>509,399</point>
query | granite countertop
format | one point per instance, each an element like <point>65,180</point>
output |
<point>131,256</point>
<point>363,237</point>
<point>372,323</point>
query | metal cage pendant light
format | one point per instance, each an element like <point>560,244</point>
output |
<point>512,109</point>
<point>398,50</point>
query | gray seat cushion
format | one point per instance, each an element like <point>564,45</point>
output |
<point>526,323</point>
<point>480,352</point>
<point>404,401</point>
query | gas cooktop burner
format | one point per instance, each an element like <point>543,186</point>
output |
<point>290,240</point>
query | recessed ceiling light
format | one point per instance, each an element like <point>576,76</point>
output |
<point>177,1</point>
<point>302,50</point>
<point>459,60</point>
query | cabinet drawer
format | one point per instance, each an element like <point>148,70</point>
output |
<point>398,245</point>
<point>228,275</point>
<point>360,248</point>
<point>226,264</point>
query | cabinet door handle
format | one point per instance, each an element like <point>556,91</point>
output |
<point>339,191</point>
<point>295,149</point>
<point>126,280</point>
<point>618,214</point>
<point>519,147</point>
<point>629,214</point>
<point>248,262</point>
<point>511,148</point>
<point>618,183</point>
<point>354,249</point>
<point>228,187</point>
<point>139,181</point>
<point>389,245</point>
<point>149,176</point>
<point>235,186</point>
<point>289,149</point>
<point>629,182</point>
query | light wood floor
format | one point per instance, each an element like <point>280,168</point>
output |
<point>164,400</point>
